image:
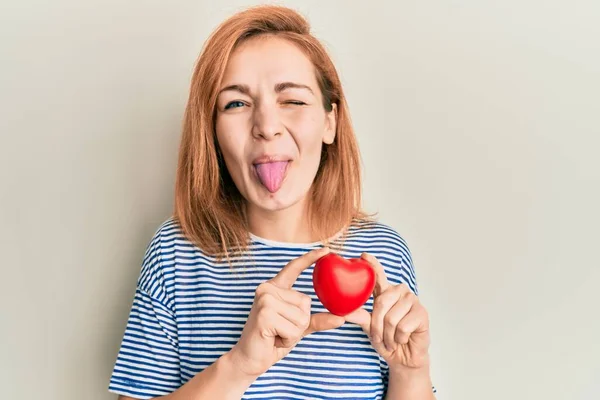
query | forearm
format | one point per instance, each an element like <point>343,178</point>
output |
<point>222,381</point>
<point>405,384</point>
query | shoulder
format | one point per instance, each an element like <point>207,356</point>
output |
<point>158,266</point>
<point>167,238</point>
<point>390,247</point>
<point>381,234</point>
<point>162,240</point>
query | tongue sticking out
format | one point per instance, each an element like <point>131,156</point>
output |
<point>271,174</point>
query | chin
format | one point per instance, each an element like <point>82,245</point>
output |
<point>278,201</point>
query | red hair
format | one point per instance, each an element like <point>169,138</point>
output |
<point>208,206</point>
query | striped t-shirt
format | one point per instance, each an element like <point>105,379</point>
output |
<point>188,310</point>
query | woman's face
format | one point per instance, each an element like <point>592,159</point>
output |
<point>271,123</point>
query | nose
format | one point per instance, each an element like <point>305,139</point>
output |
<point>266,122</point>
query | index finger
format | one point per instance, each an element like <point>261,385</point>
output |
<point>381,283</point>
<point>288,274</point>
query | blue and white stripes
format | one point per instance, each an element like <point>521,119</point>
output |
<point>189,310</point>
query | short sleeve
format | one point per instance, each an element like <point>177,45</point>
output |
<point>147,364</point>
<point>400,270</point>
<point>398,262</point>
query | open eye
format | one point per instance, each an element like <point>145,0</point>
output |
<point>234,104</point>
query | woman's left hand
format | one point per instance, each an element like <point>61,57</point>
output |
<point>399,324</point>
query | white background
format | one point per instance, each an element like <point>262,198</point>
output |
<point>479,127</point>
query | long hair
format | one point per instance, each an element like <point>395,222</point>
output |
<point>208,207</point>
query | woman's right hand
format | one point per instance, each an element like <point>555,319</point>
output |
<point>279,318</point>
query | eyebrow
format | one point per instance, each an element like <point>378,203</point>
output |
<point>280,87</point>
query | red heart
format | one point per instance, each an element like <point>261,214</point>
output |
<point>343,285</point>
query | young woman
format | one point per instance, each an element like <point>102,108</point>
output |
<point>268,182</point>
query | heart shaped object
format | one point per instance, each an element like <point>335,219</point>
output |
<point>343,285</point>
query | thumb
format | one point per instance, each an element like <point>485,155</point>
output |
<point>362,318</point>
<point>322,322</point>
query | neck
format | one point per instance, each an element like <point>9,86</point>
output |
<point>289,225</point>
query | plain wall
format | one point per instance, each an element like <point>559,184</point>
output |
<point>479,128</point>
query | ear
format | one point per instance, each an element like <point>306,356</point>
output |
<point>330,125</point>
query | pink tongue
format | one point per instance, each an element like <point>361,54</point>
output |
<point>271,174</point>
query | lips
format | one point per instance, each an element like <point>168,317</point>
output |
<point>270,158</point>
